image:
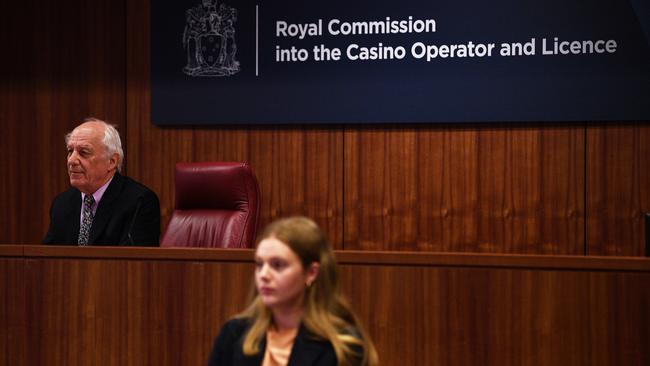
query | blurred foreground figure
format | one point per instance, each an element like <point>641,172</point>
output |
<point>297,315</point>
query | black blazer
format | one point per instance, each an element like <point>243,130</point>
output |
<point>128,214</point>
<point>306,351</point>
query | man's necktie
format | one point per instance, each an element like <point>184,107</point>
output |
<point>87,221</point>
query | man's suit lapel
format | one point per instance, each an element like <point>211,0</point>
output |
<point>73,215</point>
<point>305,349</point>
<point>105,208</point>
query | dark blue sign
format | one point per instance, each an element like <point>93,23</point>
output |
<point>246,62</point>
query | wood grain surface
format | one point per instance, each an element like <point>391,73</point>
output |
<point>514,190</point>
<point>13,314</point>
<point>618,196</point>
<point>67,63</point>
<point>115,306</point>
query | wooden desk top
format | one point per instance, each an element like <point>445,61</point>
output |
<point>555,262</point>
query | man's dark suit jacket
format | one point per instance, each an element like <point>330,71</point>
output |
<point>128,214</point>
<point>306,351</point>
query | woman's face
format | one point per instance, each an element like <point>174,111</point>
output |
<point>279,275</point>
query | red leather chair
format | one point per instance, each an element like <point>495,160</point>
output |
<point>217,205</point>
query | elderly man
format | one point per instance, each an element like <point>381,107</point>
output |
<point>102,207</point>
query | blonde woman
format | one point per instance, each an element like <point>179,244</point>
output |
<point>297,315</point>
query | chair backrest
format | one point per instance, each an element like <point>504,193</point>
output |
<point>217,206</point>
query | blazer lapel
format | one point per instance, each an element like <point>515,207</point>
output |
<point>73,215</point>
<point>305,349</point>
<point>259,358</point>
<point>240,360</point>
<point>105,208</point>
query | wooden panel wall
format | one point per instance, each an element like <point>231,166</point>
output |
<point>516,190</point>
<point>66,62</point>
<point>455,316</point>
<point>123,312</point>
<point>13,349</point>
<point>90,306</point>
<point>536,188</point>
<point>618,193</point>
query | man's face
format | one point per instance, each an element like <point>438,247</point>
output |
<point>89,167</point>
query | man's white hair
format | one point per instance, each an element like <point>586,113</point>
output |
<point>111,140</point>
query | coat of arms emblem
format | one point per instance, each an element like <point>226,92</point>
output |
<point>209,40</point>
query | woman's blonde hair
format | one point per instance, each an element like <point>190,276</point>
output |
<point>327,314</point>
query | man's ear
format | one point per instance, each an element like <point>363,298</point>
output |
<point>113,161</point>
<point>312,273</point>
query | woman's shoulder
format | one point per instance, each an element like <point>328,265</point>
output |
<point>236,325</point>
<point>227,343</point>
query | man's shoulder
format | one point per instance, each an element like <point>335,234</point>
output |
<point>132,187</point>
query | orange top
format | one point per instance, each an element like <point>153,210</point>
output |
<point>278,346</point>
